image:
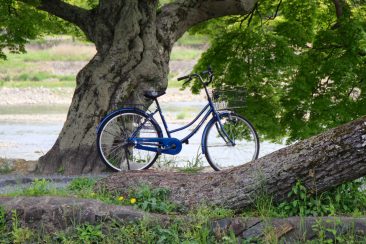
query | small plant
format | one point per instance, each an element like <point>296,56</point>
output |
<point>346,198</point>
<point>81,184</point>
<point>19,235</point>
<point>61,169</point>
<point>37,188</point>
<point>152,200</point>
<point>195,165</point>
<point>166,162</point>
<point>90,233</point>
<point>6,166</point>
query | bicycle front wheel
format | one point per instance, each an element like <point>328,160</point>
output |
<point>230,143</point>
<point>114,144</point>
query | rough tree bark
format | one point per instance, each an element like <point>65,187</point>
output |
<point>320,162</point>
<point>133,41</point>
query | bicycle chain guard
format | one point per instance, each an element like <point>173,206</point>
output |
<point>170,146</point>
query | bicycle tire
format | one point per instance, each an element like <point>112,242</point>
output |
<point>219,153</point>
<point>112,136</point>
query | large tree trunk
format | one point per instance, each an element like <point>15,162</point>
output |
<point>133,41</point>
<point>129,61</point>
<point>320,162</point>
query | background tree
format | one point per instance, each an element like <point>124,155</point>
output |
<point>303,64</point>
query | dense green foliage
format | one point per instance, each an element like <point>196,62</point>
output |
<point>303,68</point>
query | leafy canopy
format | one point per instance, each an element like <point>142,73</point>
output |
<point>303,68</point>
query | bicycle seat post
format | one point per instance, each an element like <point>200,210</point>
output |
<point>162,116</point>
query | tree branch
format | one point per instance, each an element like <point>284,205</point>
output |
<point>176,18</point>
<point>338,8</point>
<point>76,15</point>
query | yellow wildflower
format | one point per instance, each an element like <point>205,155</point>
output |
<point>93,194</point>
<point>121,198</point>
<point>133,200</point>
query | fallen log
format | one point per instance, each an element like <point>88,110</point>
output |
<point>292,229</point>
<point>320,163</point>
<point>50,214</point>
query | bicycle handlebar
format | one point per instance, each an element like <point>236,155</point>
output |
<point>184,77</point>
<point>191,76</point>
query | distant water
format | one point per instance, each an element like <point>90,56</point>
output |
<point>31,140</point>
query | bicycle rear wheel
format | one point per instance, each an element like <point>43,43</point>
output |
<point>114,147</point>
<point>220,152</point>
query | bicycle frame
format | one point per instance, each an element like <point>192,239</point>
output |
<point>172,145</point>
<point>209,108</point>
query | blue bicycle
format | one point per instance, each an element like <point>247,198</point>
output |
<point>131,139</point>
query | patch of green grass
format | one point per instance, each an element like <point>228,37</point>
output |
<point>152,200</point>
<point>49,55</point>
<point>33,109</point>
<point>38,187</point>
<point>90,233</point>
<point>40,76</point>
<point>181,116</point>
<point>45,84</point>
<point>180,53</point>
<point>37,79</point>
<point>195,165</point>
<point>81,184</point>
<point>192,40</point>
<point>173,82</point>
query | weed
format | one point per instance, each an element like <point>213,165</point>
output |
<point>2,217</point>
<point>19,235</point>
<point>347,198</point>
<point>152,200</point>
<point>89,233</point>
<point>166,162</point>
<point>61,169</point>
<point>195,165</point>
<point>6,167</point>
<point>37,188</point>
<point>81,184</point>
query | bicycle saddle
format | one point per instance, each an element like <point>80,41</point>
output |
<point>153,94</point>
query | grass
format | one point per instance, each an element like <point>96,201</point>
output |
<point>192,40</point>
<point>44,84</point>
<point>196,228</point>
<point>32,69</point>
<point>61,52</point>
<point>30,109</point>
<point>184,53</point>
